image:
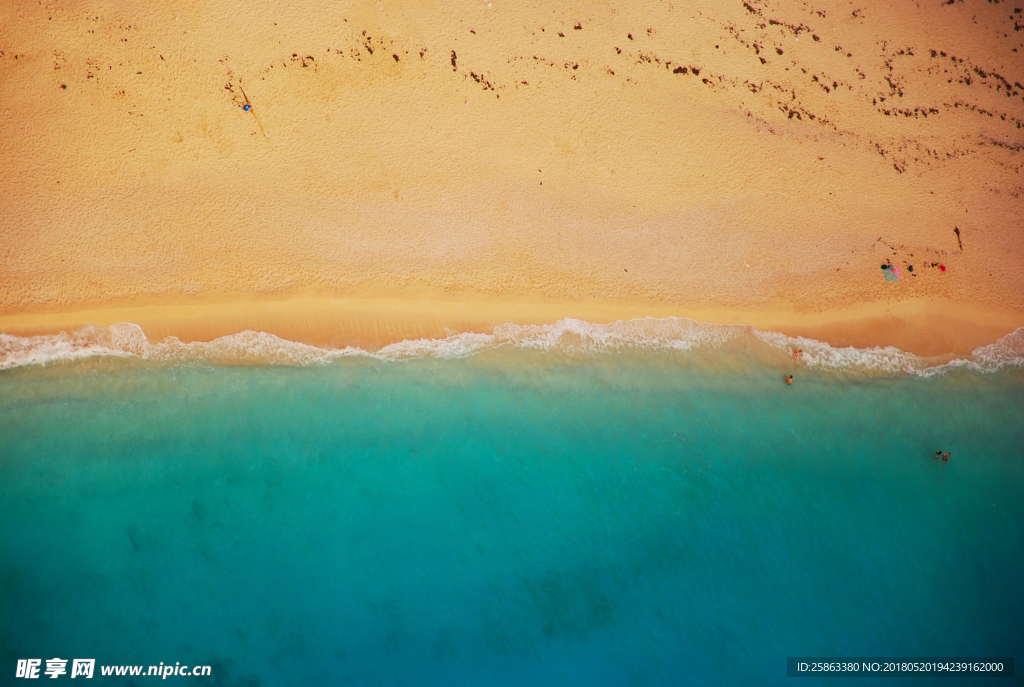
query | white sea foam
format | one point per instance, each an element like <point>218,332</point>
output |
<point>568,335</point>
<point>1006,352</point>
<point>888,359</point>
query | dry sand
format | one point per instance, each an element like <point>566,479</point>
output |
<point>412,167</point>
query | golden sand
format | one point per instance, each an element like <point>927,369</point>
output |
<point>410,168</point>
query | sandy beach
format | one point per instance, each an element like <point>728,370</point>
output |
<point>411,169</point>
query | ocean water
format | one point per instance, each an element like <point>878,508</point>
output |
<point>518,516</point>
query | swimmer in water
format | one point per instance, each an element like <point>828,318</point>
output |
<point>945,457</point>
<point>789,379</point>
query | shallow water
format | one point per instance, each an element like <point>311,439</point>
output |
<point>514,518</point>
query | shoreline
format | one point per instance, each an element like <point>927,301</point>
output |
<point>924,327</point>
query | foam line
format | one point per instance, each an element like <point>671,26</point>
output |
<point>569,335</point>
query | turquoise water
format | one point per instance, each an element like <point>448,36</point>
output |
<point>522,518</point>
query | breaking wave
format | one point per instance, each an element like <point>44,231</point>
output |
<point>128,340</point>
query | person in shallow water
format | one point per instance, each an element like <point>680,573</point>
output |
<point>944,455</point>
<point>789,379</point>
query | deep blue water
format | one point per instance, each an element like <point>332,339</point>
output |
<point>528,519</point>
